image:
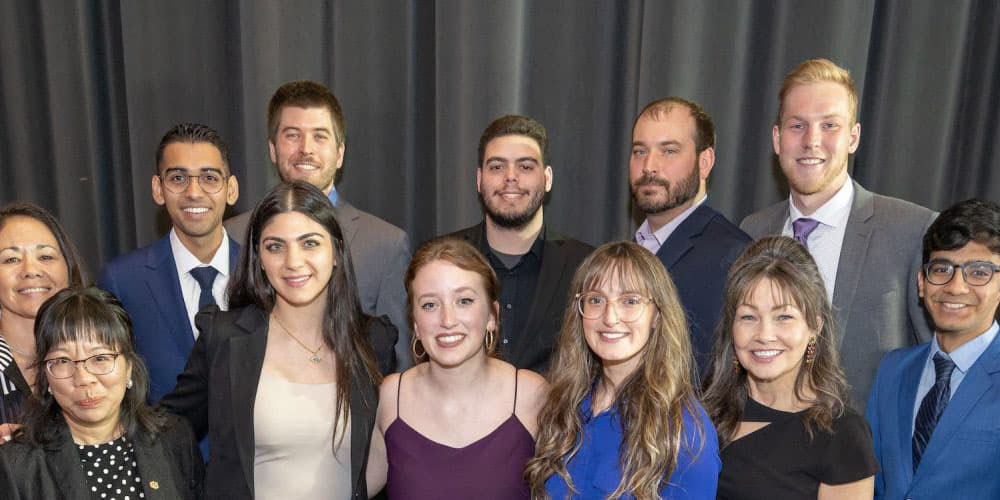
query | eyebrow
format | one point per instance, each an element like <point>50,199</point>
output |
<point>19,248</point>
<point>297,238</point>
<point>185,170</point>
<point>670,142</point>
<point>297,128</point>
<point>516,160</point>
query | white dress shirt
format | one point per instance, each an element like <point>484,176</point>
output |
<point>825,242</point>
<point>653,240</point>
<point>186,261</point>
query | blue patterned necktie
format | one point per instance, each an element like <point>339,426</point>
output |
<point>932,406</point>
<point>802,228</point>
<point>205,276</point>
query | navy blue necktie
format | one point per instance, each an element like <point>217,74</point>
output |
<point>205,276</point>
<point>932,406</point>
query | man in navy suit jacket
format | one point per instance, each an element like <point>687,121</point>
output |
<point>934,409</point>
<point>157,283</point>
<point>673,151</point>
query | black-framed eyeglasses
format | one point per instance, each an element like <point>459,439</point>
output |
<point>178,182</point>
<point>98,364</point>
<point>594,305</point>
<point>976,272</point>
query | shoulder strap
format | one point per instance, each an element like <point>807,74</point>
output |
<point>515,391</point>
<point>399,384</point>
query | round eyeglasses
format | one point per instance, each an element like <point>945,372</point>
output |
<point>98,364</point>
<point>178,182</point>
<point>976,272</point>
<point>594,305</point>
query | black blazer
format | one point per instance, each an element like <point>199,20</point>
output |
<point>169,464</point>
<point>217,389</point>
<point>698,255</point>
<point>560,258</point>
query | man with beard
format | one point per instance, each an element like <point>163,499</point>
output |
<point>867,246</point>
<point>533,262</point>
<point>306,133</point>
<point>673,152</point>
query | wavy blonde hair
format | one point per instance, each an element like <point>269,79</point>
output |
<point>650,402</point>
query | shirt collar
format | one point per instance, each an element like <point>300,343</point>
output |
<point>333,195</point>
<point>664,232</point>
<point>536,248</point>
<point>186,261</point>
<point>834,212</point>
<point>966,355</point>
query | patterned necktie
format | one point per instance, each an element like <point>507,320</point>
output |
<point>802,227</point>
<point>205,276</point>
<point>932,406</point>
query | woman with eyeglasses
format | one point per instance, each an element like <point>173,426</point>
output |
<point>90,433</point>
<point>622,419</point>
<point>37,260</point>
<point>461,423</point>
<point>776,392</point>
<point>284,382</point>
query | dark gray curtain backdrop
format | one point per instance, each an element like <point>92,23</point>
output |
<point>88,87</point>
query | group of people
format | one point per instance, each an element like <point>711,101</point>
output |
<point>303,352</point>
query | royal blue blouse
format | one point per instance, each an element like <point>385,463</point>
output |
<point>596,472</point>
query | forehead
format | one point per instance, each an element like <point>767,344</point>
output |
<point>314,117</point>
<point>971,251</point>
<point>766,293</point>
<point>26,231</point>
<point>817,99</point>
<point>440,274</point>
<point>85,342</point>
<point>192,156</point>
<point>290,225</point>
<point>672,124</point>
<point>512,146</point>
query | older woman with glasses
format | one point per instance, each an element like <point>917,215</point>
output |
<point>90,433</point>
<point>622,419</point>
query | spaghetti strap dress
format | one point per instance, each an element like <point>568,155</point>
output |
<point>489,468</point>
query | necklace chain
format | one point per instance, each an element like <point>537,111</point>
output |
<point>16,350</point>
<point>315,358</point>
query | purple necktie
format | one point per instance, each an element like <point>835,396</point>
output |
<point>802,227</point>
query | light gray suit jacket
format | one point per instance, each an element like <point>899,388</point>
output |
<point>875,302</point>
<point>380,252</point>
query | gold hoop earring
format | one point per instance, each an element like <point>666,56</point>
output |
<point>811,352</point>
<point>736,365</point>
<point>413,347</point>
<point>491,341</point>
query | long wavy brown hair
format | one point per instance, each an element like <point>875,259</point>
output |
<point>821,385</point>
<point>650,402</point>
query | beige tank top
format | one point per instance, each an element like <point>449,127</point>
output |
<point>293,441</point>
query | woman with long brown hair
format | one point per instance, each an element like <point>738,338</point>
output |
<point>776,385</point>
<point>622,419</point>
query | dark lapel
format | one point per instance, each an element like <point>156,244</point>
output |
<point>165,289</point>
<point>234,255</point>
<point>912,367</point>
<point>348,217</point>
<point>853,254</point>
<point>154,468</point>
<point>554,267</point>
<point>64,462</point>
<point>246,357</point>
<point>681,241</point>
<point>362,406</point>
<point>976,383</point>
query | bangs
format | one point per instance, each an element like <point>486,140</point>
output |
<point>785,288</point>
<point>82,320</point>
<point>616,269</point>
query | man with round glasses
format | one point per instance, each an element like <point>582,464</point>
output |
<point>163,285</point>
<point>934,408</point>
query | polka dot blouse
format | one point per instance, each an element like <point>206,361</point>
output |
<point>111,471</point>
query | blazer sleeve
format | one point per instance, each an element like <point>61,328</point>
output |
<point>922,329</point>
<point>391,299</point>
<point>871,415</point>
<point>382,335</point>
<point>183,447</point>
<point>189,398</point>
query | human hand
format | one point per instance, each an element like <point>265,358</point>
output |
<point>7,432</point>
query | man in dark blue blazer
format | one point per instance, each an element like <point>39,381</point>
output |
<point>161,285</point>
<point>934,409</point>
<point>673,152</point>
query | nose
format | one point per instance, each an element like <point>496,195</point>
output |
<point>957,285</point>
<point>813,136</point>
<point>307,145</point>
<point>765,332</point>
<point>649,164</point>
<point>447,315</point>
<point>194,189</point>
<point>611,317</point>
<point>30,267</point>
<point>510,173</point>
<point>293,257</point>
<point>81,376</point>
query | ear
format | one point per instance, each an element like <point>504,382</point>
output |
<point>157,186</point>
<point>855,138</point>
<point>494,314</point>
<point>340,155</point>
<point>232,191</point>
<point>706,160</point>
<point>776,139</point>
<point>479,180</point>
<point>920,283</point>
<point>272,152</point>
<point>548,178</point>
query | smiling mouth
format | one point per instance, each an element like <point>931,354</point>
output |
<point>953,306</point>
<point>766,355</point>
<point>810,162</point>
<point>306,166</point>
<point>34,290</point>
<point>296,281</point>
<point>613,336</point>
<point>196,210</point>
<point>449,339</point>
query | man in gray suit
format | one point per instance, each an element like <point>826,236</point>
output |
<point>851,232</point>
<point>306,133</point>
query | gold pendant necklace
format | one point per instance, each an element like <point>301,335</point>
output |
<point>315,358</point>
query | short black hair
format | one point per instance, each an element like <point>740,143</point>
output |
<point>970,220</point>
<point>192,133</point>
<point>515,125</point>
<point>305,94</point>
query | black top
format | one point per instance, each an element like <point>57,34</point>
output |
<point>517,291</point>
<point>111,470</point>
<point>780,460</point>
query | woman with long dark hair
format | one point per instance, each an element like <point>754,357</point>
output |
<point>622,419</point>
<point>37,260</point>
<point>776,385</point>
<point>284,382</point>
